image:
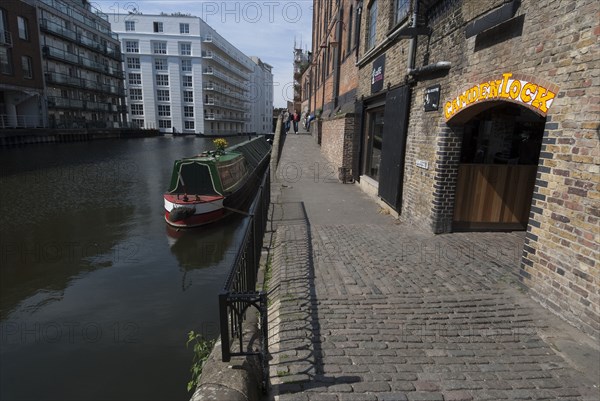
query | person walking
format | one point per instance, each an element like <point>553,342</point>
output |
<point>296,119</point>
<point>286,119</point>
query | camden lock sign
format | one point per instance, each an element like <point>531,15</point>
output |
<point>536,96</point>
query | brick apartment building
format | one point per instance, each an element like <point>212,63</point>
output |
<point>473,115</point>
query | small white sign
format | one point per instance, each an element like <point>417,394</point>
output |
<point>423,164</point>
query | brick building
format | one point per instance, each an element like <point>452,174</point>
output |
<point>483,115</point>
<point>21,76</point>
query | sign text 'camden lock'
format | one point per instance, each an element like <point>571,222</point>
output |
<point>507,88</point>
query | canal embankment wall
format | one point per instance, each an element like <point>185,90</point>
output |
<point>22,137</point>
<point>240,378</point>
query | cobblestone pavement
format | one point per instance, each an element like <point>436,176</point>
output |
<point>384,311</point>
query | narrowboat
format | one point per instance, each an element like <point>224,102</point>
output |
<point>207,187</point>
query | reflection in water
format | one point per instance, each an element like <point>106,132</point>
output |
<point>198,248</point>
<point>91,298</point>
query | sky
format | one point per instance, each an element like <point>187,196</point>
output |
<point>266,29</point>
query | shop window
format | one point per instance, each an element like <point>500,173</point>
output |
<point>503,135</point>
<point>373,143</point>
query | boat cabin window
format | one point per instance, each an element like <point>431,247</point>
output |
<point>232,172</point>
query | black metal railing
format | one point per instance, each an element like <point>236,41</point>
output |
<point>239,292</point>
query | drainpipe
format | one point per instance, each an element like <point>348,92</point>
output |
<point>412,45</point>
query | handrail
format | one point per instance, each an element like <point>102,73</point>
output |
<point>239,291</point>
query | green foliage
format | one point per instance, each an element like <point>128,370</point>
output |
<point>202,349</point>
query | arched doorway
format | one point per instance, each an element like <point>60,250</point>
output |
<point>498,163</point>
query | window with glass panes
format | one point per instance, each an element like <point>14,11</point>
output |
<point>130,26</point>
<point>134,78</point>
<point>164,123</point>
<point>162,95</point>
<point>372,28</point>
<point>132,46</point>
<point>158,26</point>
<point>162,80</point>
<point>160,64</point>
<point>137,109</point>
<point>188,96</point>
<point>188,111</point>
<point>185,49</point>
<point>133,63</point>
<point>135,94</point>
<point>401,11</point>
<point>184,28</point>
<point>186,80</point>
<point>188,124</point>
<point>164,110</point>
<point>186,65</point>
<point>159,47</point>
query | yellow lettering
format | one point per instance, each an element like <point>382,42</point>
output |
<point>455,105</point>
<point>484,90</point>
<point>473,94</point>
<point>528,90</point>
<point>515,89</point>
<point>448,110</point>
<point>504,90</point>
<point>541,101</point>
<point>494,86</point>
<point>462,99</point>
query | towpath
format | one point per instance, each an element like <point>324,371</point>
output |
<point>366,308</point>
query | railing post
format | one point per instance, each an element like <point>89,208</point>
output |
<point>224,323</point>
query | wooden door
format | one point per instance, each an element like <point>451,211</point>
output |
<point>493,196</point>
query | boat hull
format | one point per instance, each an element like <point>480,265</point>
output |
<point>195,212</point>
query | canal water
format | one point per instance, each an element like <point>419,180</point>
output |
<point>96,294</point>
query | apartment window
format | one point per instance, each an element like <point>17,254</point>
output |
<point>186,80</point>
<point>372,29</point>
<point>23,28</point>
<point>188,111</point>
<point>184,28</point>
<point>164,110</point>
<point>135,94</point>
<point>349,39</point>
<point>135,78</point>
<point>160,64</point>
<point>130,26</point>
<point>133,63</point>
<point>186,65</point>
<point>137,109</point>
<point>158,26</point>
<point>162,95</point>
<point>26,65</point>
<point>138,122</point>
<point>401,11</point>
<point>162,80</point>
<point>5,60</point>
<point>188,96</point>
<point>132,46</point>
<point>164,123</point>
<point>185,49</point>
<point>159,47</point>
<point>188,124</point>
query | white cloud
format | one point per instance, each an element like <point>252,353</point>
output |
<point>266,29</point>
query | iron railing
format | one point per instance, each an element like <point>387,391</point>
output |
<point>239,292</point>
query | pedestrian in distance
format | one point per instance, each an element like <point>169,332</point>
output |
<point>286,119</point>
<point>296,119</point>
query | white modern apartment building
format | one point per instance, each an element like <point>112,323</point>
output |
<point>183,77</point>
<point>261,97</point>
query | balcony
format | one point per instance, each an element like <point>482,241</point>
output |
<point>61,103</point>
<point>5,38</point>
<point>216,73</point>
<point>210,40</point>
<point>209,55</point>
<point>223,117</point>
<point>58,54</point>
<point>225,105</point>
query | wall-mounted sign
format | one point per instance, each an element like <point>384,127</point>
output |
<point>538,97</point>
<point>377,74</point>
<point>432,98</point>
<point>422,164</point>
